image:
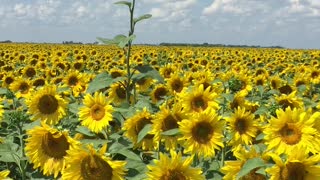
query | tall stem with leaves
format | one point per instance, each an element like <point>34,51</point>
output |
<point>125,42</point>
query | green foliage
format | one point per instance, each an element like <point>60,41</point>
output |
<point>101,81</point>
<point>127,3</point>
<point>250,165</point>
<point>143,17</point>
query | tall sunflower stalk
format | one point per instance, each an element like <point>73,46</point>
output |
<point>125,42</point>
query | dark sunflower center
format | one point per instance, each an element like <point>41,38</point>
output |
<point>177,85</point>
<point>241,126</point>
<point>141,81</point>
<point>30,72</point>
<point>294,171</point>
<point>169,123</point>
<point>160,92</point>
<point>72,81</point>
<point>198,103</point>
<point>174,175</point>
<point>121,92</point>
<point>285,89</point>
<point>95,168</point>
<point>39,82</point>
<point>115,74</point>
<point>202,132</point>
<point>48,104</point>
<point>97,112</point>
<point>55,145</point>
<point>24,87</point>
<point>290,134</point>
<point>77,65</point>
<point>8,80</point>
<point>314,74</point>
<point>299,83</point>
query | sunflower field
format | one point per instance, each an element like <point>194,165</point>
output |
<point>192,113</point>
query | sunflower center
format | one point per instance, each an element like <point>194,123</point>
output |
<point>48,104</point>
<point>294,171</point>
<point>241,125</point>
<point>290,134</point>
<point>285,89</point>
<point>169,123</point>
<point>24,87</point>
<point>97,112</point>
<point>285,103</point>
<point>202,132</point>
<point>121,92</point>
<point>177,85</point>
<point>174,175</point>
<point>72,81</point>
<point>55,145</point>
<point>160,92</point>
<point>30,72</point>
<point>95,168</point>
<point>198,103</point>
<point>8,80</point>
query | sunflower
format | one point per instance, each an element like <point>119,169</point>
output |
<point>291,129</point>
<point>167,70</point>
<point>134,125</point>
<point>47,147</point>
<point>167,119</point>
<point>173,168</point>
<point>298,165</point>
<point>76,81</point>
<point>159,93</point>
<point>39,82</point>
<point>115,73</point>
<point>202,133</point>
<point>87,163</point>
<point>199,99</point>
<point>242,126</point>
<point>144,84</point>
<point>47,105</point>
<point>96,114</point>
<point>29,71</point>
<point>8,79</point>
<point>176,83</point>
<point>233,167</point>
<point>21,87</point>
<point>291,100</point>
<point>275,82</point>
<point>117,93</point>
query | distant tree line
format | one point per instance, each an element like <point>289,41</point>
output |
<point>215,45</point>
<point>6,41</point>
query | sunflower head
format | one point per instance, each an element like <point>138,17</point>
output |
<point>47,105</point>
<point>159,93</point>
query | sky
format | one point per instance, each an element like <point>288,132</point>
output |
<point>287,23</point>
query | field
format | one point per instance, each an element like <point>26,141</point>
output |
<point>68,111</point>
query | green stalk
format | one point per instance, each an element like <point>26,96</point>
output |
<point>129,53</point>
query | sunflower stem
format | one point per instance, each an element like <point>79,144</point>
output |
<point>23,164</point>
<point>129,53</point>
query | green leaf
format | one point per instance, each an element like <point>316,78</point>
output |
<point>261,110</point>
<point>127,3</point>
<point>74,107</point>
<point>3,91</point>
<point>129,154</point>
<point>250,165</point>
<point>125,41</point>
<point>148,71</point>
<point>171,132</point>
<point>101,81</point>
<point>144,131</point>
<point>106,41</point>
<point>85,131</point>
<point>143,17</point>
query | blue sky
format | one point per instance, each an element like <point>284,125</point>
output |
<point>288,23</point>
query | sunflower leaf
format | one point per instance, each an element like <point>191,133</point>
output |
<point>144,131</point>
<point>101,81</point>
<point>3,91</point>
<point>250,165</point>
<point>148,71</point>
<point>129,154</point>
<point>85,131</point>
<point>143,17</point>
<point>127,3</point>
<point>171,132</point>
